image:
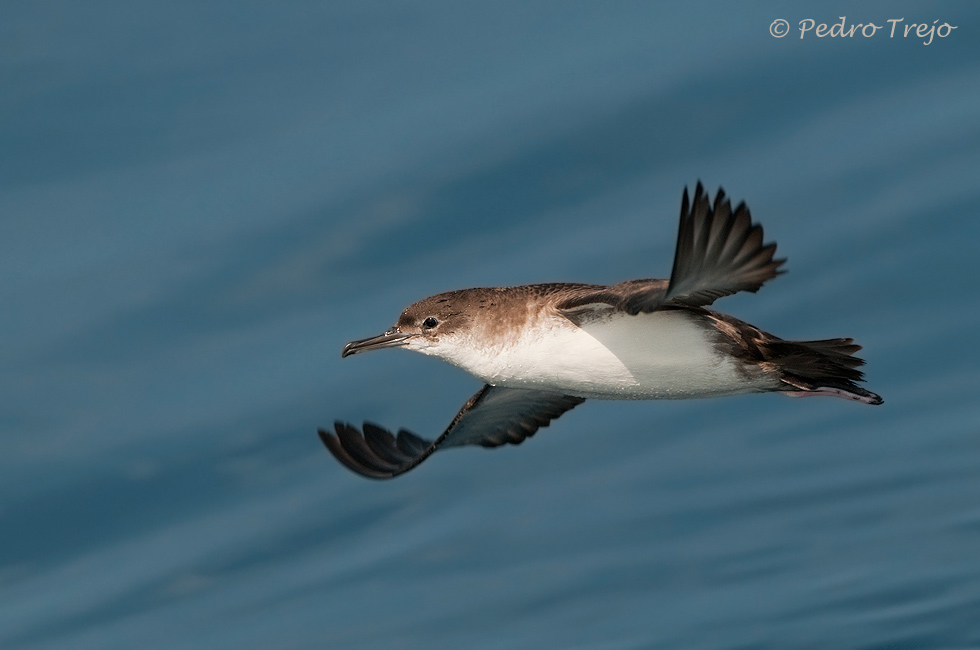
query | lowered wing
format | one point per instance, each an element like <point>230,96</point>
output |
<point>493,417</point>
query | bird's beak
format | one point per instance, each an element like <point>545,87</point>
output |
<point>390,339</point>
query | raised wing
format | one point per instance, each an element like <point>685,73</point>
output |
<point>493,417</point>
<point>719,252</point>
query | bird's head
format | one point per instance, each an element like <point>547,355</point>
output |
<point>424,326</point>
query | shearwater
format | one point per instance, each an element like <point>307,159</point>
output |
<point>543,349</point>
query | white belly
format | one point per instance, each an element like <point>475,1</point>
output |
<point>662,355</point>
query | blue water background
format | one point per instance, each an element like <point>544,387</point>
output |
<point>201,202</point>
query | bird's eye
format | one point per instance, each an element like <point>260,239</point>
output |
<point>429,323</point>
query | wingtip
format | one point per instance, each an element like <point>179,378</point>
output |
<point>348,447</point>
<point>375,453</point>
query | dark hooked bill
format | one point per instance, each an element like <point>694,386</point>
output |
<point>391,338</point>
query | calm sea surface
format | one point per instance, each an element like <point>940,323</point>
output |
<point>200,203</point>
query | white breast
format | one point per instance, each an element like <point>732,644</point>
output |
<point>662,355</point>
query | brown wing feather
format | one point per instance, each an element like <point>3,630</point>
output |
<point>719,252</point>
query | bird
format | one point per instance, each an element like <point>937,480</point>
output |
<point>543,349</point>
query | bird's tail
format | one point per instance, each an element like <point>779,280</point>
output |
<point>826,367</point>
